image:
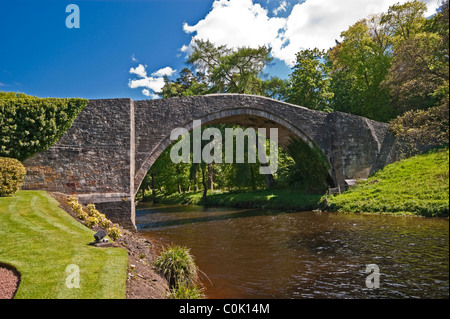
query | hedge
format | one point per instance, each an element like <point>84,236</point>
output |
<point>12,174</point>
<point>30,124</point>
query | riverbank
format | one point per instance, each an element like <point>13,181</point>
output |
<point>415,186</point>
<point>40,239</point>
<point>272,199</point>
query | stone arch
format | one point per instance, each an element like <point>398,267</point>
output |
<point>256,118</point>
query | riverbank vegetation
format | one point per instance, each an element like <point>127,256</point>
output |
<point>273,199</point>
<point>418,185</point>
<point>177,265</point>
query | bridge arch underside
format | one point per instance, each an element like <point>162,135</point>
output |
<point>249,118</point>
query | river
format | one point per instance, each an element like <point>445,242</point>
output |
<point>257,253</point>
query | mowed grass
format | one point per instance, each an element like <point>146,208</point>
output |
<point>41,240</point>
<point>415,186</point>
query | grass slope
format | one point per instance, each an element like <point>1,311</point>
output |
<point>41,240</point>
<point>418,185</point>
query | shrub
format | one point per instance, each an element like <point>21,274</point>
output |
<point>105,223</point>
<point>30,124</point>
<point>114,232</point>
<point>12,174</point>
<point>184,291</point>
<point>93,218</point>
<point>420,130</point>
<point>177,264</point>
<point>91,221</point>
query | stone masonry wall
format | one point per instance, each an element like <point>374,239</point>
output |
<point>106,153</point>
<point>92,159</point>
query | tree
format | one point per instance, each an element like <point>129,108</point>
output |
<point>419,75</point>
<point>358,66</point>
<point>187,84</point>
<point>310,81</point>
<point>230,71</point>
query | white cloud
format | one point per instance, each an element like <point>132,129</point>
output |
<point>139,70</point>
<point>155,82</point>
<point>313,23</point>
<point>236,23</point>
<point>282,7</point>
<point>164,71</point>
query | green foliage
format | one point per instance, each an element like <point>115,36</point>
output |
<point>92,218</point>
<point>187,84</point>
<point>29,124</point>
<point>12,175</point>
<point>310,81</point>
<point>309,171</point>
<point>418,185</point>
<point>420,130</point>
<point>418,77</point>
<point>230,71</point>
<point>271,199</point>
<point>358,66</point>
<point>177,265</point>
<point>184,291</point>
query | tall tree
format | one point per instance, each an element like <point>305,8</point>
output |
<point>187,84</point>
<point>230,71</point>
<point>419,75</point>
<point>310,81</point>
<point>358,66</point>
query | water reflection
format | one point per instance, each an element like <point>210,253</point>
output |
<point>272,254</point>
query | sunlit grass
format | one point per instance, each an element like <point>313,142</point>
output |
<point>415,186</point>
<point>41,240</point>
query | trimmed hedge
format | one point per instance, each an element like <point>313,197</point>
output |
<point>29,124</point>
<point>12,174</point>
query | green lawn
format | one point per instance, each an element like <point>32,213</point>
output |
<point>41,240</point>
<point>418,186</point>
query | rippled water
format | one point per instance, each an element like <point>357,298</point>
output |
<point>273,254</point>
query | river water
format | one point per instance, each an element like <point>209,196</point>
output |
<point>262,253</point>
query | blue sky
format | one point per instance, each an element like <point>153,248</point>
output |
<point>123,48</point>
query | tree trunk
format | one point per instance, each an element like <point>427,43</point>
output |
<point>196,181</point>
<point>211,176</point>
<point>153,189</point>
<point>270,181</point>
<point>204,184</point>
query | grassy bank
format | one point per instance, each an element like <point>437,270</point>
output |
<point>41,240</point>
<point>415,186</point>
<point>274,199</point>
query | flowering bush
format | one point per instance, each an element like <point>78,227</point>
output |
<point>114,232</point>
<point>93,218</point>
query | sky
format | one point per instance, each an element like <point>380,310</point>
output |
<point>124,49</point>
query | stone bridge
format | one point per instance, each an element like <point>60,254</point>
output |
<point>105,155</point>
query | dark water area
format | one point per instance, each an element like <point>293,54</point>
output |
<point>272,254</point>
